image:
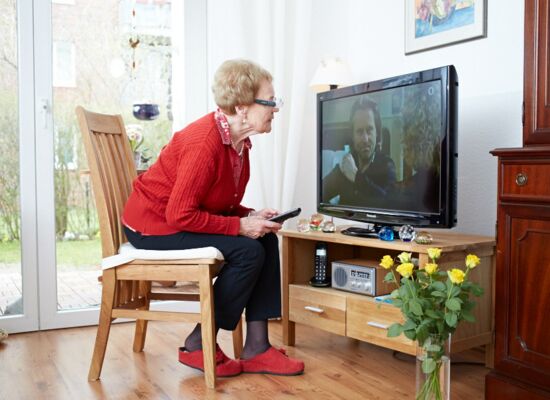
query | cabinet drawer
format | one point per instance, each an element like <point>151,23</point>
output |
<point>526,181</point>
<point>369,321</point>
<point>313,307</point>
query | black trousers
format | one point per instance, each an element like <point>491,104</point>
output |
<point>250,278</point>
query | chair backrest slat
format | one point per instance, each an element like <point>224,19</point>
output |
<point>112,170</point>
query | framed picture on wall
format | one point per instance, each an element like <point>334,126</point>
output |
<point>436,23</point>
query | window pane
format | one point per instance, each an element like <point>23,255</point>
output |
<point>94,65</point>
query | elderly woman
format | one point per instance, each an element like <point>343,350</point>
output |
<point>191,197</point>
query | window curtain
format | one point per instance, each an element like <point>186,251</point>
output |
<point>276,35</point>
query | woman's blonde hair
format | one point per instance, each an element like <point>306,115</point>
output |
<point>236,82</point>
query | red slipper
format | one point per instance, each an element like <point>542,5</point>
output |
<point>225,366</point>
<point>274,362</point>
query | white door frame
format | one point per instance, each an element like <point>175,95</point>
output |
<point>28,321</point>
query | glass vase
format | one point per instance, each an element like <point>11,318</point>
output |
<point>137,159</point>
<point>433,368</point>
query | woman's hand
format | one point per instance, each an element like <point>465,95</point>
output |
<point>255,227</point>
<point>265,213</point>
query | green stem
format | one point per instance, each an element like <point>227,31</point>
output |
<point>410,289</point>
<point>431,388</point>
<point>395,279</point>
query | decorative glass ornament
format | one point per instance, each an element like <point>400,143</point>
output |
<point>146,112</point>
<point>315,222</point>
<point>386,233</point>
<point>407,233</point>
<point>424,237</point>
<point>302,225</point>
<point>328,226</point>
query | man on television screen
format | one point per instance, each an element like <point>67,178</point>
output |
<point>365,175</point>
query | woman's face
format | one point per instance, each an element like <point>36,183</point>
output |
<point>364,133</point>
<point>259,116</point>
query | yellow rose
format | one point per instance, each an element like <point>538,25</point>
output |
<point>430,268</point>
<point>456,276</point>
<point>386,262</point>
<point>472,261</point>
<point>405,257</point>
<point>434,253</point>
<point>405,269</point>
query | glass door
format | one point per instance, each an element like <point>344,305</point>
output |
<point>18,273</point>
<point>114,57</point>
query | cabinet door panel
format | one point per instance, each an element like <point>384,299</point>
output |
<point>524,351</point>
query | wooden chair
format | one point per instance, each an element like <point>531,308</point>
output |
<point>127,287</point>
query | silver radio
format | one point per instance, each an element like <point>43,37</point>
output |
<point>360,276</point>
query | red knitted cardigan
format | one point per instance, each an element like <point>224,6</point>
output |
<point>190,187</point>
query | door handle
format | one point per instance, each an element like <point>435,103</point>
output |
<point>45,109</point>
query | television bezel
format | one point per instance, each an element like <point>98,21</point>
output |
<point>446,217</point>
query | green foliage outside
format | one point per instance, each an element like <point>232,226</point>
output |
<point>97,90</point>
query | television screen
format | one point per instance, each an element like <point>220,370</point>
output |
<point>387,150</point>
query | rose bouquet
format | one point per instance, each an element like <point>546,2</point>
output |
<point>433,303</point>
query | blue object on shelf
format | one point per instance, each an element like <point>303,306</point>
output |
<point>146,112</point>
<point>384,299</point>
<point>386,233</point>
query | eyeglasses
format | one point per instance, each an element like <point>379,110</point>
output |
<point>276,102</point>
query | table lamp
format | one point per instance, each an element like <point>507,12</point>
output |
<point>331,73</point>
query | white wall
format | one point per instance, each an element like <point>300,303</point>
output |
<point>369,34</point>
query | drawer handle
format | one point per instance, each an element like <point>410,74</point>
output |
<point>314,309</point>
<point>521,179</point>
<point>377,324</point>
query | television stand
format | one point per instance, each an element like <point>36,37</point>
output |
<point>362,317</point>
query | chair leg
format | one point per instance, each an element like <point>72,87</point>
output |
<point>107,300</point>
<point>238,339</point>
<point>207,325</point>
<point>141,324</point>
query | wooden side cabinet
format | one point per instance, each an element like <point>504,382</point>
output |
<point>522,353</point>
<point>359,316</point>
<point>536,75</point>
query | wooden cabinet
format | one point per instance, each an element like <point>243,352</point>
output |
<point>522,331</point>
<point>536,79</point>
<point>359,316</point>
<point>522,353</point>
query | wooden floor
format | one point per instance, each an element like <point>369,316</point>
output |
<point>54,365</point>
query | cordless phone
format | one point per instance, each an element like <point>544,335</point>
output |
<point>321,277</point>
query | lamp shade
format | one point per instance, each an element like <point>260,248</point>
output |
<point>332,71</point>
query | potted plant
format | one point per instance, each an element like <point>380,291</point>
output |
<point>433,303</point>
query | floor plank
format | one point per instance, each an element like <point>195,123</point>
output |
<point>54,365</point>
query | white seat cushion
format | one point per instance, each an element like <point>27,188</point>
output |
<point>128,253</point>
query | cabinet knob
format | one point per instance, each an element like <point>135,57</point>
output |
<point>521,179</point>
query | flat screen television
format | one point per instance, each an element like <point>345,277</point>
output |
<point>387,150</point>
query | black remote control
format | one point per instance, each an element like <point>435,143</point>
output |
<point>286,215</point>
